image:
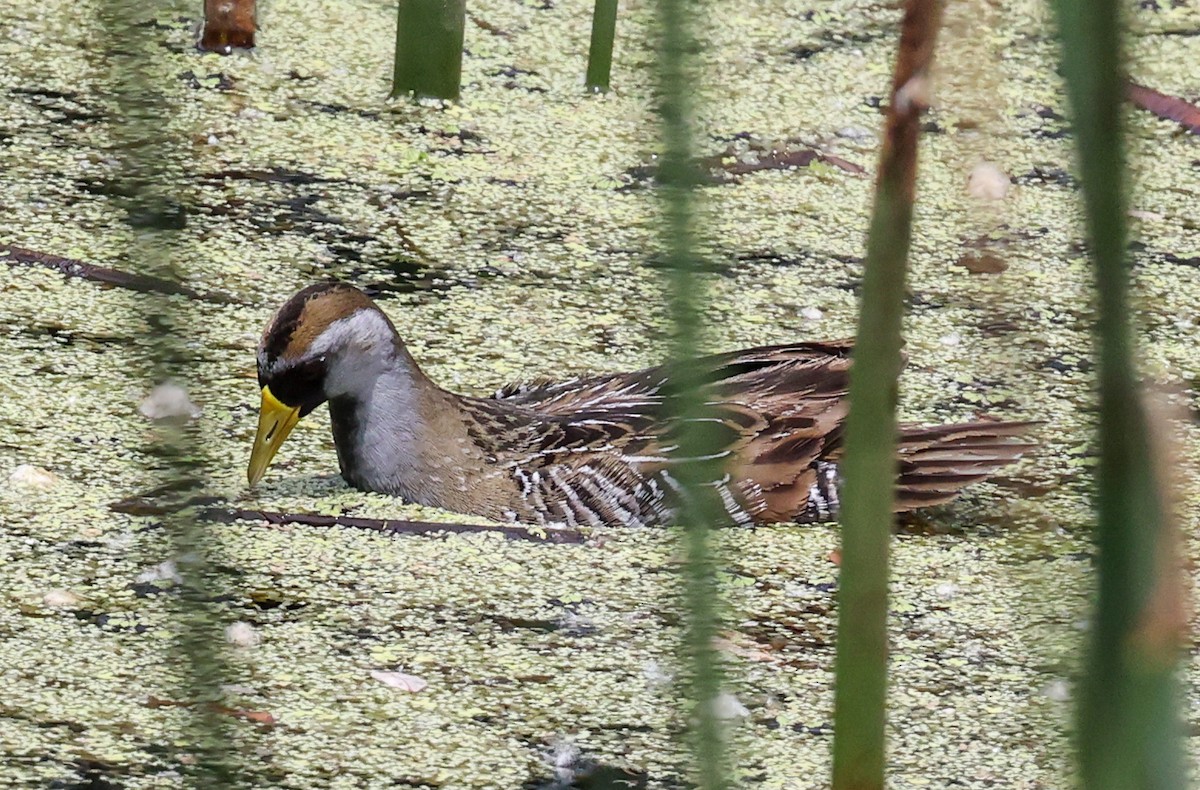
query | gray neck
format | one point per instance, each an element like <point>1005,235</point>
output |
<point>377,427</point>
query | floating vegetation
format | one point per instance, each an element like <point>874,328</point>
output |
<point>536,264</point>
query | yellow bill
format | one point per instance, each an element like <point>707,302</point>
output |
<point>275,422</point>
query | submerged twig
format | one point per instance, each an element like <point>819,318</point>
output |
<point>260,717</point>
<point>728,166</point>
<point>390,526</point>
<point>487,26</point>
<point>1170,108</point>
<point>72,267</point>
<point>785,157</point>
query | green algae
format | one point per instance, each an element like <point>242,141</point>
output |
<point>521,208</point>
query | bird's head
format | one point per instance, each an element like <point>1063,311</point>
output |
<point>326,341</point>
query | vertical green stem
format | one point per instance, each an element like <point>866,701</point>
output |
<point>699,506</point>
<point>1129,731</point>
<point>604,31</point>
<point>869,468</point>
<point>147,153</point>
<point>429,48</point>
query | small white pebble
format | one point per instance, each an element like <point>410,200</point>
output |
<point>811,313</point>
<point>987,182</point>
<point>30,476</point>
<point>1057,690</point>
<point>855,133</point>
<point>917,92</point>
<point>163,570</point>
<point>169,402</point>
<point>802,591</point>
<point>213,140</point>
<point>242,634</point>
<point>946,590</point>
<point>952,339</point>
<point>656,677</point>
<point>727,707</point>
<point>60,599</point>
<point>399,680</point>
<point>563,754</point>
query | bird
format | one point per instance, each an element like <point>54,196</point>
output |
<point>594,450</point>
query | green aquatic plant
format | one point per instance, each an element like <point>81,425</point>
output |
<point>869,468</point>
<point>429,48</point>
<point>700,507</point>
<point>604,31</point>
<point>1129,730</point>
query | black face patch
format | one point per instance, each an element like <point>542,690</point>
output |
<point>298,385</point>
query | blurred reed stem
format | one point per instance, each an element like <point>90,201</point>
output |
<point>699,507</point>
<point>228,25</point>
<point>150,156</point>
<point>869,468</point>
<point>604,31</point>
<point>429,48</point>
<point>1129,730</point>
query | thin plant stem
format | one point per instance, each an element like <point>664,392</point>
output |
<point>1129,730</point>
<point>429,48</point>
<point>145,151</point>
<point>869,468</point>
<point>699,507</point>
<point>604,31</point>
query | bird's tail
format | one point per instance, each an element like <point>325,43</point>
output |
<point>936,462</point>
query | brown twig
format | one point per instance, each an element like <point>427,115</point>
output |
<point>731,164</point>
<point>777,160</point>
<point>1167,107</point>
<point>556,535</point>
<point>71,267</point>
<point>483,24</point>
<point>260,717</point>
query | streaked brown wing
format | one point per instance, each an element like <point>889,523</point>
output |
<point>779,406</point>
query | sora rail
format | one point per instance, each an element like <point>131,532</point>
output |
<point>591,450</point>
